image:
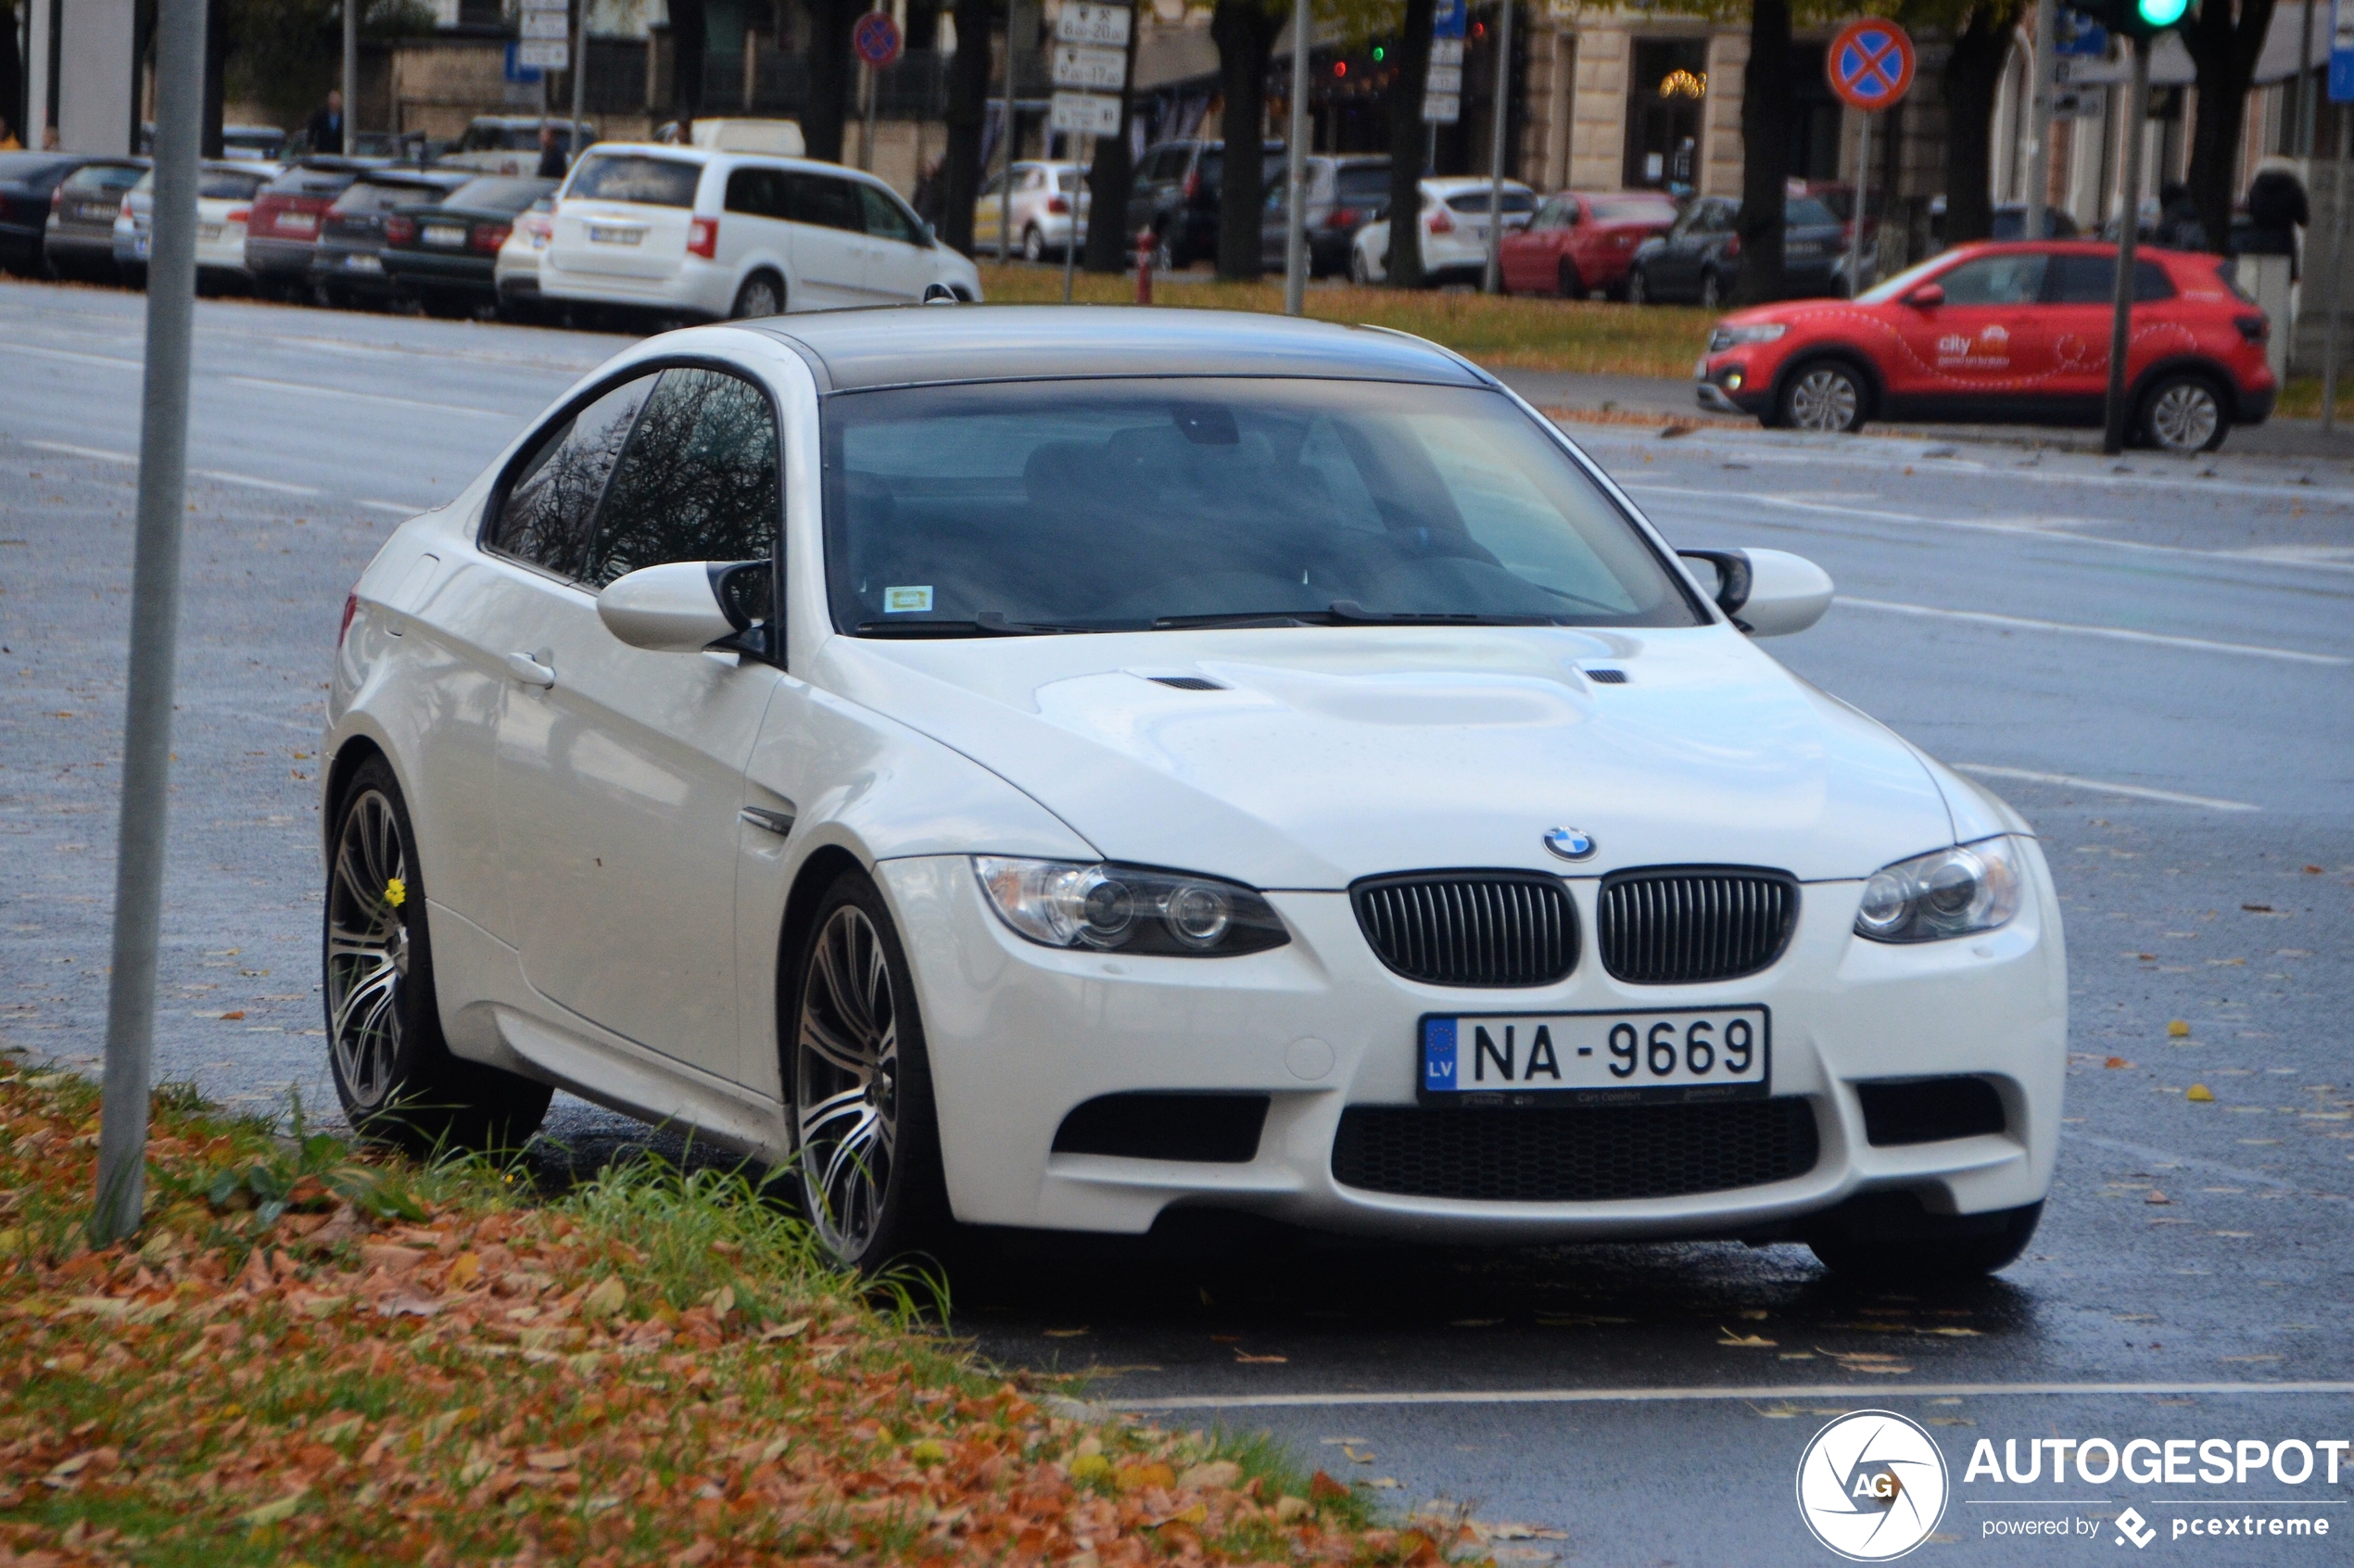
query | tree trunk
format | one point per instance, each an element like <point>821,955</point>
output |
<point>1245,33</point>
<point>1112,178</point>
<point>12,77</point>
<point>1409,138</point>
<point>2225,56</point>
<point>217,46</point>
<point>967,108</point>
<point>1766,92</point>
<point>1973,73</point>
<point>688,39</point>
<point>831,70</point>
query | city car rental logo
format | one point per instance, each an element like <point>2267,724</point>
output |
<point>1871,1486</point>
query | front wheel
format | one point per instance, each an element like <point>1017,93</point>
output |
<point>1895,1242</point>
<point>2184,413</point>
<point>392,1068</point>
<point>864,1141</point>
<point>1827,398</point>
<point>761,295</point>
<point>1572,285</point>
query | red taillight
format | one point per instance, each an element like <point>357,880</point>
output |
<point>1442,222</point>
<point>237,215</point>
<point>491,237</point>
<point>56,198</point>
<point>399,229</point>
<point>534,225</point>
<point>703,237</point>
<point>1193,186</point>
<point>350,608</point>
<point>124,210</point>
<point>1341,218</point>
<point>1733,247</point>
<point>1057,205</point>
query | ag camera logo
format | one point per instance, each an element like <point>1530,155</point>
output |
<point>1872,1485</point>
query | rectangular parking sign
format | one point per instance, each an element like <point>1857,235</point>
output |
<point>2342,52</point>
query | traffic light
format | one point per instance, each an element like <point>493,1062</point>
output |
<point>2143,19</point>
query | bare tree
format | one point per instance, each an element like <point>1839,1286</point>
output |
<point>968,111</point>
<point>1766,95</point>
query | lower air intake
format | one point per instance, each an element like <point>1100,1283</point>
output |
<point>1203,1129</point>
<point>1574,1154</point>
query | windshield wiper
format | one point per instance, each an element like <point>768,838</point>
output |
<point>1245,618</point>
<point>987,624</point>
<point>1348,611</point>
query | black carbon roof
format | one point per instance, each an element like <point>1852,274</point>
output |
<point>929,345</point>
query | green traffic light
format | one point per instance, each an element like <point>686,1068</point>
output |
<point>1378,52</point>
<point>2162,13</point>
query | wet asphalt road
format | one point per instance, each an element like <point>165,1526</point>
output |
<point>2157,665</point>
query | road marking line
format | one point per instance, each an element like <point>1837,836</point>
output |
<point>78,359</point>
<point>403,509</point>
<point>221,475</point>
<point>2103,787</point>
<point>310,390</point>
<point>1662,1396</point>
<point>2119,634</point>
<point>71,451</point>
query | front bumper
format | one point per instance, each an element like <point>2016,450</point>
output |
<point>2256,405</point>
<point>279,259</point>
<point>423,269</point>
<point>1019,1035</point>
<point>1731,385</point>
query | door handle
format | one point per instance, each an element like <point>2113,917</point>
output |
<point>776,822</point>
<point>530,671</point>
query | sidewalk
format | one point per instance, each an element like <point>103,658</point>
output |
<point>1613,396</point>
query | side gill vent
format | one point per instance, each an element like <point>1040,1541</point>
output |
<point>1187,683</point>
<point>1607,677</point>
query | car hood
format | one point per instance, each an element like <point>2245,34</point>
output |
<point>1330,753</point>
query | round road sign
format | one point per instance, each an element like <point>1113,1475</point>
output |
<point>1870,64</point>
<point>875,39</point>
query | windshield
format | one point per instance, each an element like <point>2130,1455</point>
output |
<point>1904,282</point>
<point>1137,505</point>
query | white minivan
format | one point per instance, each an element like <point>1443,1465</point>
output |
<point>698,233</point>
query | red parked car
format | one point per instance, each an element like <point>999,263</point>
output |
<point>2005,334</point>
<point>1580,241</point>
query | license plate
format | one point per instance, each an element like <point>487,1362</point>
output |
<point>298,222</point>
<point>1678,1053</point>
<point>205,231</point>
<point>444,234</point>
<point>93,211</point>
<point>600,233</point>
<point>361,262</point>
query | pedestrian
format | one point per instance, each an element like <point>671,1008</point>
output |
<point>552,157</point>
<point>49,140</point>
<point>326,125</point>
<point>2276,209</point>
<point>2179,227</point>
<point>930,200</point>
<point>8,141</point>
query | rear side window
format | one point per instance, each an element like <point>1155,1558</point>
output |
<point>760,193</point>
<point>824,201</point>
<point>698,481</point>
<point>649,181</point>
<point>2092,280</point>
<point>545,517</point>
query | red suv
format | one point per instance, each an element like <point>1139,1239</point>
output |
<point>2005,334</point>
<point>1579,242</point>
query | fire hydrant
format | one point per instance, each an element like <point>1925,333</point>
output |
<point>1146,245</point>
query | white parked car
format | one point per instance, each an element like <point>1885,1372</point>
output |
<point>1043,221</point>
<point>1041,767</point>
<point>688,231</point>
<point>509,144</point>
<point>224,200</point>
<point>1454,218</point>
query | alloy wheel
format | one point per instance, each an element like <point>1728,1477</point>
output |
<point>1034,244</point>
<point>2185,416</point>
<point>368,948</point>
<point>758,298</point>
<point>1824,399</point>
<point>846,1069</point>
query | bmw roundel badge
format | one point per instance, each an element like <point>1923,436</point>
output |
<point>1570,843</point>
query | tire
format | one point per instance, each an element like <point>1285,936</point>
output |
<point>392,1070</point>
<point>2183,412</point>
<point>1827,397</point>
<point>1895,1242</point>
<point>1638,286</point>
<point>761,295</point>
<point>1567,281</point>
<point>1034,244</point>
<point>1712,291</point>
<point>1361,271</point>
<point>866,1140</point>
<point>1168,255</point>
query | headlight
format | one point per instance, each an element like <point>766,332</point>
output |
<point>1725,338</point>
<point>1128,908</point>
<point>1948,892</point>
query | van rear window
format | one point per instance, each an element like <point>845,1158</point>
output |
<point>651,182</point>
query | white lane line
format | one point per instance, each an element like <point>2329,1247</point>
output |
<point>108,360</point>
<point>1663,1395</point>
<point>402,508</point>
<point>71,451</point>
<point>222,475</point>
<point>2103,787</point>
<point>2119,634</point>
<point>309,391</point>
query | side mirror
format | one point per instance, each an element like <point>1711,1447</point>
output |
<point>1926,295</point>
<point>686,606</point>
<point>1767,592</point>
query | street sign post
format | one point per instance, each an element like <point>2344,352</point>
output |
<point>2341,92</point>
<point>1870,68</point>
<point>543,55</point>
<point>1101,24</point>
<point>1084,114</point>
<point>874,38</point>
<point>1443,83</point>
<point>1089,67</point>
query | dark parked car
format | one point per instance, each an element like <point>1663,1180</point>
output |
<point>27,181</point>
<point>282,229</point>
<point>1176,195</point>
<point>444,255</point>
<point>348,265</point>
<point>1699,259</point>
<point>2010,222</point>
<point>79,238</point>
<point>1344,194</point>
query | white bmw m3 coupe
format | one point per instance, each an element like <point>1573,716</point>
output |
<point>1042,767</point>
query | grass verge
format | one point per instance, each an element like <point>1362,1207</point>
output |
<point>1515,333</point>
<point>316,1355</point>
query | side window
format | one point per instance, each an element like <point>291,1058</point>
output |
<point>2092,280</point>
<point>2014,278</point>
<point>885,218</point>
<point>820,199</point>
<point>544,519</point>
<point>756,192</point>
<point>696,483</point>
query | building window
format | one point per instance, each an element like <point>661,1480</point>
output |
<point>1666,98</point>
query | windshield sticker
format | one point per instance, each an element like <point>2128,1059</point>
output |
<point>902,600</point>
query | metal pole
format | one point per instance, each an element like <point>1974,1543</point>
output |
<point>1005,193</point>
<point>2038,135</point>
<point>155,625</point>
<point>1863,189</point>
<point>351,79</point>
<point>1078,190</point>
<point>1492,279</point>
<point>580,77</point>
<point>867,139</point>
<point>2305,102</point>
<point>1295,200</point>
<point>2129,233</point>
<point>2337,273</point>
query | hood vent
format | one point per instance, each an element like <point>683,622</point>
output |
<point>1607,677</point>
<point>1187,683</point>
